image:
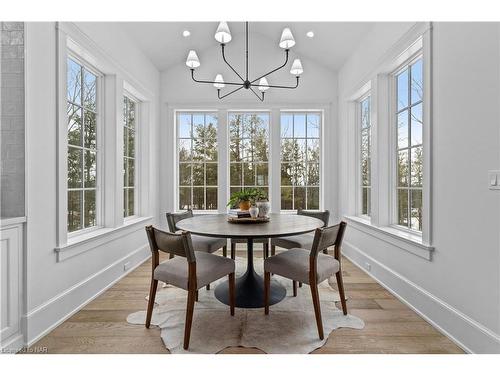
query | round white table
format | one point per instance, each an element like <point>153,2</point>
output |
<point>250,286</point>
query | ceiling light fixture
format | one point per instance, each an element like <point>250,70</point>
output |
<point>186,33</point>
<point>310,34</point>
<point>223,36</point>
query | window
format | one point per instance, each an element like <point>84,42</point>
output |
<point>198,160</point>
<point>249,151</point>
<point>300,160</point>
<point>129,137</point>
<point>82,146</point>
<point>365,154</point>
<point>409,145</point>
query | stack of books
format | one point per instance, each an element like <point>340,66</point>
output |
<point>237,213</point>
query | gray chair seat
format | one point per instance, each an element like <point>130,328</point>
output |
<point>207,244</point>
<point>209,268</point>
<point>294,264</point>
<point>301,241</point>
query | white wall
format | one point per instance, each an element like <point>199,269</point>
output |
<point>56,289</point>
<point>317,90</point>
<point>459,289</point>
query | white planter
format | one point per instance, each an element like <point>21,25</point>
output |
<point>264,208</point>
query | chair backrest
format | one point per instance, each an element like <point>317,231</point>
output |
<point>326,237</point>
<point>172,243</point>
<point>322,215</point>
<point>174,218</point>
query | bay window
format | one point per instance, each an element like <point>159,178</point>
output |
<point>81,109</point>
<point>300,160</point>
<point>248,151</point>
<point>129,150</point>
<point>409,144</point>
<point>197,160</point>
<point>364,108</point>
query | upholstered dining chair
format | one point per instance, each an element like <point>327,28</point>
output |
<point>189,270</point>
<point>302,241</point>
<point>200,243</point>
<point>310,267</point>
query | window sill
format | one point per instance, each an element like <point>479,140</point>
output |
<point>404,240</point>
<point>90,240</point>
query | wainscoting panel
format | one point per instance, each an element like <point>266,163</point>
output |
<point>11,287</point>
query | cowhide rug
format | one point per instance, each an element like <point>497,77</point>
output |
<point>289,328</point>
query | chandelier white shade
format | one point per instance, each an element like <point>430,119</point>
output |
<point>219,82</point>
<point>296,68</point>
<point>287,41</point>
<point>192,60</point>
<point>263,84</point>
<point>222,34</point>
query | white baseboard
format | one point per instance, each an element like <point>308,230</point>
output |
<point>44,318</point>
<point>13,345</point>
<point>467,333</point>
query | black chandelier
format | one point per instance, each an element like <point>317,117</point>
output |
<point>223,36</point>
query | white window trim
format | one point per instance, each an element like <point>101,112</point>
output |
<point>176,159</point>
<point>393,216</point>
<point>171,159</point>
<point>227,150</point>
<point>321,155</point>
<point>380,224</point>
<point>113,81</point>
<point>137,152</point>
<point>363,93</point>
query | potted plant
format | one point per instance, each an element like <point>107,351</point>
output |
<point>242,199</point>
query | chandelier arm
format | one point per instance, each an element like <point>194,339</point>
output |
<point>229,93</point>
<point>205,81</point>
<point>274,70</point>
<point>280,86</point>
<point>257,95</point>
<point>224,58</point>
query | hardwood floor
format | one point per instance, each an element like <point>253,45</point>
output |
<point>391,327</point>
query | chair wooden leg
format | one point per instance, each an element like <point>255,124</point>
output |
<point>294,288</point>
<point>151,302</point>
<point>340,285</point>
<point>208,286</point>
<point>317,309</point>
<point>196,296</point>
<point>224,251</point>
<point>266,250</point>
<point>171,256</point>
<point>233,251</point>
<point>325,251</point>
<point>189,317</point>
<point>232,299</point>
<point>300,284</point>
<point>273,250</point>
<point>267,287</point>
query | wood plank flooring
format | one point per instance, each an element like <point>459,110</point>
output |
<point>391,327</point>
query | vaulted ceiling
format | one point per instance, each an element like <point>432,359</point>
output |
<point>164,44</point>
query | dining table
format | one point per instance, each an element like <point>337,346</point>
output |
<point>249,291</point>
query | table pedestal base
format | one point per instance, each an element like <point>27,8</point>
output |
<point>249,290</point>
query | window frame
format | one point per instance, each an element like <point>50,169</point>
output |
<point>367,94</point>
<point>394,148</point>
<point>320,138</point>
<point>99,199</point>
<point>228,151</point>
<point>177,161</point>
<point>137,149</point>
